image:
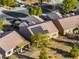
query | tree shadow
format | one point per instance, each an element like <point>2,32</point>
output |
<point>15,14</point>
<point>76,37</point>
<point>64,42</point>
<point>60,51</point>
<point>24,56</point>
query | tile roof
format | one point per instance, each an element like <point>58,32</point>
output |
<point>31,20</point>
<point>69,22</point>
<point>10,41</point>
<point>46,26</point>
<point>53,16</point>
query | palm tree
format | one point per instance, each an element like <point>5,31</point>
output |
<point>40,40</point>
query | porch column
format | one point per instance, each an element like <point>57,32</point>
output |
<point>29,45</point>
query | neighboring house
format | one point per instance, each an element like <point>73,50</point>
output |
<point>77,11</point>
<point>54,1</point>
<point>31,20</point>
<point>66,25</point>
<point>29,2</point>
<point>44,28</point>
<point>9,41</point>
<point>54,15</point>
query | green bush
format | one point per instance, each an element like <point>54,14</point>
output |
<point>35,10</point>
<point>40,40</point>
<point>9,3</point>
<point>1,24</point>
<point>74,51</point>
<point>43,54</point>
<point>68,6</point>
<point>9,57</point>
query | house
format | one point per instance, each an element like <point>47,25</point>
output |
<point>51,16</point>
<point>54,15</point>
<point>54,1</point>
<point>29,2</point>
<point>66,25</point>
<point>9,41</point>
<point>45,28</point>
<point>31,20</point>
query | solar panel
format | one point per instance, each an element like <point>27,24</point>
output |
<point>38,29</point>
<point>46,31</point>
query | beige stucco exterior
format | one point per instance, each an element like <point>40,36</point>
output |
<point>48,26</point>
<point>69,31</point>
<point>9,42</point>
<point>27,32</point>
<point>7,54</point>
<point>53,35</point>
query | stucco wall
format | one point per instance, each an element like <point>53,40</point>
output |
<point>70,31</point>
<point>53,35</point>
<point>11,52</point>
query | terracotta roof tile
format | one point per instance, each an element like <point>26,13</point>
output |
<point>10,41</point>
<point>49,26</point>
<point>70,22</point>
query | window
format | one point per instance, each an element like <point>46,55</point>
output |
<point>54,34</point>
<point>9,52</point>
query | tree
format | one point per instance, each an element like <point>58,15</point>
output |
<point>1,24</point>
<point>74,51</point>
<point>43,54</point>
<point>1,2</point>
<point>40,40</point>
<point>35,10</point>
<point>68,5</point>
<point>42,1</point>
<point>9,3</point>
<point>39,12</point>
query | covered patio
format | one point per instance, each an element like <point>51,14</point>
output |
<point>24,45</point>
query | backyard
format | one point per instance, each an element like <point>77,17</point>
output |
<point>59,49</point>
